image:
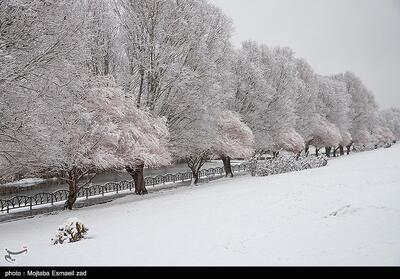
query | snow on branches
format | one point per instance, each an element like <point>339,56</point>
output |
<point>390,118</point>
<point>234,138</point>
<point>383,136</point>
<point>325,134</point>
<point>100,130</point>
<point>364,138</point>
<point>92,86</point>
<point>73,230</point>
<point>290,140</point>
<point>73,134</point>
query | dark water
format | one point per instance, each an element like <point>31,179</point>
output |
<point>52,185</point>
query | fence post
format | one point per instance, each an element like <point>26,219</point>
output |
<point>87,193</point>
<point>30,203</point>
<point>51,195</point>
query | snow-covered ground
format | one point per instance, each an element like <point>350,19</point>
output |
<point>347,213</point>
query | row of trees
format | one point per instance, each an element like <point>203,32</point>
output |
<point>280,96</point>
<point>98,85</point>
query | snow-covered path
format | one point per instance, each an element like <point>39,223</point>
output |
<point>345,214</point>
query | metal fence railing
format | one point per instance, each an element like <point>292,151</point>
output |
<point>24,201</point>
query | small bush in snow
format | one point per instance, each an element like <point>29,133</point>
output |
<point>253,162</point>
<point>363,148</point>
<point>286,163</point>
<point>370,147</point>
<point>72,231</point>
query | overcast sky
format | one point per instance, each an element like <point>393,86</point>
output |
<point>362,36</point>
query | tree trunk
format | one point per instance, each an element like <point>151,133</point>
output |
<point>137,174</point>
<point>307,150</point>
<point>335,150</point>
<point>341,148</point>
<point>328,151</point>
<point>73,178</point>
<point>196,176</point>
<point>72,196</point>
<point>348,149</point>
<point>139,98</point>
<point>316,151</point>
<point>195,163</point>
<point>106,64</point>
<point>227,165</point>
<point>153,87</point>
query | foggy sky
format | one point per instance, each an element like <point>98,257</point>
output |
<point>362,36</point>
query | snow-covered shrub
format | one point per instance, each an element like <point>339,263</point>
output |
<point>72,231</point>
<point>325,134</point>
<point>346,139</point>
<point>288,163</point>
<point>383,136</point>
<point>364,148</point>
<point>378,138</point>
<point>312,162</point>
<point>364,138</point>
<point>253,162</point>
<point>290,140</point>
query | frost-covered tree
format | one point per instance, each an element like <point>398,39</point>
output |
<point>88,86</point>
<point>35,37</point>
<point>324,134</point>
<point>234,139</point>
<point>195,140</point>
<point>347,142</point>
<point>248,86</point>
<point>265,85</point>
<point>364,138</point>
<point>99,132</point>
<point>162,38</point>
<point>177,53</point>
<point>279,68</point>
<point>148,39</point>
<point>65,118</point>
<point>333,105</point>
<point>390,118</point>
<point>363,108</point>
<point>291,141</point>
<point>383,136</point>
<point>102,38</point>
<point>306,99</point>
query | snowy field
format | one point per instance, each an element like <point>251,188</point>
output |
<point>345,214</point>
